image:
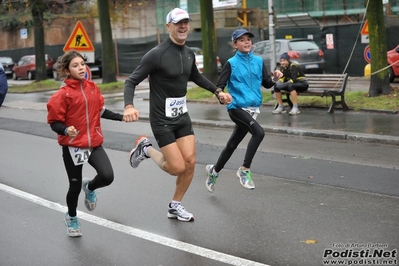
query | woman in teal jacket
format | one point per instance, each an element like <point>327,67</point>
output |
<point>243,74</point>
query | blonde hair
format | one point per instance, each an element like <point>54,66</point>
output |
<point>232,45</point>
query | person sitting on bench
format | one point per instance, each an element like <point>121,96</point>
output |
<point>293,81</point>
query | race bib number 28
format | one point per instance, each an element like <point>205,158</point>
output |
<point>175,107</point>
<point>79,155</point>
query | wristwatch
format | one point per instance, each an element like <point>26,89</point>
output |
<point>217,91</point>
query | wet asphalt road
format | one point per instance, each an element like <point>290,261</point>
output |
<point>332,191</point>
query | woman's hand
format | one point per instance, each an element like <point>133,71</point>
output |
<point>72,132</point>
<point>224,97</point>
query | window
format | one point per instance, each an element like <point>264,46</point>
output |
<point>258,48</point>
<point>303,46</point>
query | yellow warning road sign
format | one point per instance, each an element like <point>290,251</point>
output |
<point>79,40</point>
<point>365,29</point>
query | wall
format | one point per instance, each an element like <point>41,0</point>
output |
<point>132,23</point>
<point>57,33</point>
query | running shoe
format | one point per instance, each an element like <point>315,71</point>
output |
<point>179,212</point>
<point>294,111</point>
<point>279,110</point>
<point>245,177</point>
<point>90,197</point>
<point>210,178</point>
<point>73,226</point>
<point>137,154</point>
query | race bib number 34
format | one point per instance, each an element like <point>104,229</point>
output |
<point>175,107</point>
<point>79,155</point>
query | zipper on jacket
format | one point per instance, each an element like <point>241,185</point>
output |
<point>250,75</point>
<point>87,115</point>
<point>181,63</point>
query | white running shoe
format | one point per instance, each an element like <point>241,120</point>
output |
<point>73,226</point>
<point>245,177</point>
<point>179,212</point>
<point>137,154</point>
<point>294,111</point>
<point>90,196</point>
<point>279,110</point>
<point>210,178</point>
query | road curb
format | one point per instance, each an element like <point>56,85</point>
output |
<point>327,134</point>
<point>302,132</point>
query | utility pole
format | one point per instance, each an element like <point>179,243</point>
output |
<point>272,37</point>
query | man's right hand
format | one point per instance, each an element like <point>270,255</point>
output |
<point>130,114</point>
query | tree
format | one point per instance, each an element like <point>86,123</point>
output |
<point>208,40</point>
<point>379,83</point>
<point>107,49</point>
<point>38,7</point>
<point>18,14</point>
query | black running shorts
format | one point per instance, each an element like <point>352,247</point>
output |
<point>167,134</point>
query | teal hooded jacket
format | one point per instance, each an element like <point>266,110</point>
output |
<point>244,74</point>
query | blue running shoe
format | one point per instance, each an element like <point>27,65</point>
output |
<point>90,198</point>
<point>245,177</point>
<point>210,178</point>
<point>73,226</point>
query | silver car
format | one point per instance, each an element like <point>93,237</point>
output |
<point>199,59</point>
<point>304,52</point>
<point>8,65</point>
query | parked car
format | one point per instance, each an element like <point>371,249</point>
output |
<point>393,56</point>
<point>26,67</point>
<point>95,68</point>
<point>199,59</point>
<point>8,65</point>
<point>304,52</point>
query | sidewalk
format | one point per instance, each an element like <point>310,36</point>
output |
<point>372,127</point>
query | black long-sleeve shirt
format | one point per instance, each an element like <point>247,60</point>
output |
<point>169,67</point>
<point>59,127</point>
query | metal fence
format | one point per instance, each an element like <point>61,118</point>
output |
<point>130,51</point>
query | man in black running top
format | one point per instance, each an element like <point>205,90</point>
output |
<point>170,65</point>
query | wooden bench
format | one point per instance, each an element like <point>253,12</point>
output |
<point>324,85</point>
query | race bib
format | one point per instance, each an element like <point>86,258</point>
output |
<point>175,107</point>
<point>253,111</point>
<point>79,155</point>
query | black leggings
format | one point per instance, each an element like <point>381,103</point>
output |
<point>105,175</point>
<point>244,124</point>
<point>299,86</point>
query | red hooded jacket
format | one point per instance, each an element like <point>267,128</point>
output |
<point>78,103</point>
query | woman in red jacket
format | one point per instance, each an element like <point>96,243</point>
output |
<point>74,113</point>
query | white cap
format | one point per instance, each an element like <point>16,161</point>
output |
<point>176,15</point>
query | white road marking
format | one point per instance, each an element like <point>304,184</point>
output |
<point>203,252</point>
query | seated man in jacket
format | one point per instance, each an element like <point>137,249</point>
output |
<point>293,81</point>
<point>3,84</point>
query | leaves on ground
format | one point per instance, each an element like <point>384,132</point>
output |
<point>309,241</point>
